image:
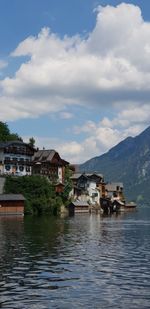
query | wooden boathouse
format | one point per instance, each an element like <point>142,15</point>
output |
<point>12,204</point>
<point>78,207</point>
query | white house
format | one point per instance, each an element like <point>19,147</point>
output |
<point>86,187</point>
<point>16,158</point>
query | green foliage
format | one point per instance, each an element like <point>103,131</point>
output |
<point>32,142</point>
<point>39,193</point>
<point>6,135</point>
<point>68,184</point>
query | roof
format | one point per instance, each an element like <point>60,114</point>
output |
<point>112,186</point>
<point>78,175</point>
<point>94,174</point>
<point>12,197</point>
<point>17,142</point>
<point>80,203</point>
<point>44,155</point>
<point>47,156</point>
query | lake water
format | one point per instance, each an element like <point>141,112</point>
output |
<point>86,261</point>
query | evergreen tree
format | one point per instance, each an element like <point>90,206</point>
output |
<point>32,142</point>
<point>6,135</point>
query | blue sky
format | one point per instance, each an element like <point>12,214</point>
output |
<point>75,74</point>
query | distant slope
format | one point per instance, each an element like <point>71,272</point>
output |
<point>128,162</point>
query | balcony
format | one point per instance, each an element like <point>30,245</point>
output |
<point>18,162</point>
<point>19,151</point>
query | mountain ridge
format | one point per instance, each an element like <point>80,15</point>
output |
<point>128,162</point>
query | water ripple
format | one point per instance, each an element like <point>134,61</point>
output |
<point>81,262</point>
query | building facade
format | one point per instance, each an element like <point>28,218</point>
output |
<point>115,187</point>
<point>12,204</point>
<point>87,187</point>
<point>49,163</point>
<point>16,158</point>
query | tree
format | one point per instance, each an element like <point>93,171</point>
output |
<point>32,142</point>
<point>68,184</point>
<point>39,193</point>
<point>6,135</point>
<point>4,131</point>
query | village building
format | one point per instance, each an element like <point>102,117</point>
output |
<point>12,204</point>
<point>114,188</point>
<point>16,158</point>
<point>78,207</point>
<point>49,163</point>
<point>88,187</point>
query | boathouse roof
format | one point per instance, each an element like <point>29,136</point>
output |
<point>12,197</point>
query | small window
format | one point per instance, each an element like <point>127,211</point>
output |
<point>15,159</point>
<point>27,169</point>
<point>7,158</point>
<point>21,168</point>
<point>7,167</point>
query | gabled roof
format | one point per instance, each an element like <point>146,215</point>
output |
<point>12,197</point>
<point>44,155</point>
<point>47,156</point>
<point>94,174</point>
<point>88,175</point>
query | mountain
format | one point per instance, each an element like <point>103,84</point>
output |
<point>127,162</point>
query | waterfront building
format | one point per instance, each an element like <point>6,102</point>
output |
<point>16,158</point>
<point>88,187</point>
<point>114,188</point>
<point>49,163</point>
<point>12,204</point>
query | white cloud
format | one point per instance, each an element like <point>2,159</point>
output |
<point>105,134</point>
<point>66,115</point>
<point>104,68</point>
<point>108,69</point>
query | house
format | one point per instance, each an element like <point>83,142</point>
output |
<point>49,163</point>
<point>16,158</point>
<point>114,187</point>
<point>12,204</point>
<point>87,187</point>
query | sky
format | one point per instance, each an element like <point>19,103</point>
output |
<point>75,74</point>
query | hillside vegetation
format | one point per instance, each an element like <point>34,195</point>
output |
<point>127,162</point>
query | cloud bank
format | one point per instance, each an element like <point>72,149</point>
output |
<point>108,69</point>
<point>111,65</point>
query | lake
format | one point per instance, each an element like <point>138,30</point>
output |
<point>86,261</point>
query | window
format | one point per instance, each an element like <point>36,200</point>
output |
<point>7,158</point>
<point>21,168</point>
<point>7,167</point>
<point>15,159</point>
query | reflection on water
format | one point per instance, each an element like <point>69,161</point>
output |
<point>86,261</point>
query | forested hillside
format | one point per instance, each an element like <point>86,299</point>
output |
<point>128,162</point>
